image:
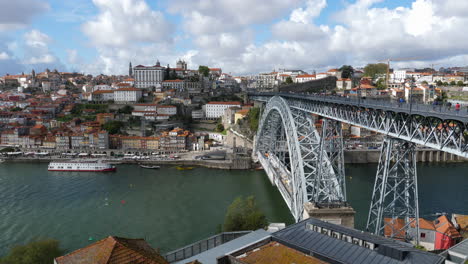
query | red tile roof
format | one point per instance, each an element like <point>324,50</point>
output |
<point>225,103</point>
<point>306,76</point>
<point>114,250</point>
<point>277,253</point>
<point>127,89</point>
<point>444,226</point>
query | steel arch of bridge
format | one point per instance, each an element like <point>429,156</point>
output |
<point>304,166</point>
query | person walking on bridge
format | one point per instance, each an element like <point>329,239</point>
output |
<point>449,106</point>
<point>457,108</point>
<point>434,105</point>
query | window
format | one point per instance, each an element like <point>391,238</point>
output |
<point>423,235</point>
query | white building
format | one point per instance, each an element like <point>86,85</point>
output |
<point>102,96</point>
<point>198,114</point>
<point>216,109</point>
<point>127,95</point>
<point>399,76</point>
<point>169,110</point>
<point>179,85</point>
<point>305,78</point>
<point>101,87</point>
<point>148,76</point>
<point>344,84</point>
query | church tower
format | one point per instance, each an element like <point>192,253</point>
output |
<point>130,70</point>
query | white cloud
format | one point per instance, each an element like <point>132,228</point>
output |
<point>73,57</point>
<point>364,34</point>
<point>36,48</point>
<point>4,56</point>
<point>35,38</point>
<point>19,13</point>
<point>122,22</point>
<point>127,30</point>
<point>225,33</point>
<point>305,15</point>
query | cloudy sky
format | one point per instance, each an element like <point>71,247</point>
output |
<point>240,36</point>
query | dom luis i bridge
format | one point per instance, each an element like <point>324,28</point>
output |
<point>307,164</point>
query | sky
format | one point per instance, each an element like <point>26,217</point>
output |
<point>240,36</point>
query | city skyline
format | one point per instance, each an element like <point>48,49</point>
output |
<point>242,37</point>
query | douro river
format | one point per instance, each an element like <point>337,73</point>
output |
<point>171,208</point>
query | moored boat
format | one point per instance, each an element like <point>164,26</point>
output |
<point>149,167</point>
<point>184,168</point>
<point>81,166</point>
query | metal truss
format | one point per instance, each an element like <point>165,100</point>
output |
<point>444,132</point>
<point>330,186</point>
<point>394,207</point>
<point>297,161</point>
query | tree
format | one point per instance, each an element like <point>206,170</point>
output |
<point>373,69</point>
<point>460,83</point>
<point>253,118</point>
<point>37,252</point>
<point>244,214</point>
<point>16,109</point>
<point>347,71</point>
<point>445,84</point>
<point>289,80</point>
<point>219,128</point>
<point>453,83</point>
<point>439,83</point>
<point>141,100</point>
<point>113,127</point>
<point>204,70</point>
<point>125,110</point>
<point>424,83</point>
<point>380,84</point>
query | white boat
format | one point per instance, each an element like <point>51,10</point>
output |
<point>149,167</point>
<point>81,166</point>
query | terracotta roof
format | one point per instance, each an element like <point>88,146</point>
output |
<point>215,69</point>
<point>166,106</point>
<point>277,253</point>
<point>332,70</point>
<point>129,80</point>
<point>424,224</point>
<point>462,220</point>
<point>243,112</point>
<point>127,89</point>
<point>444,226</point>
<point>394,227</point>
<point>114,250</point>
<point>306,76</point>
<point>225,103</point>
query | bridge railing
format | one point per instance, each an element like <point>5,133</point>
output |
<point>414,107</point>
<point>202,246</point>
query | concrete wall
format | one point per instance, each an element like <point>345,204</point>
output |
<point>234,139</point>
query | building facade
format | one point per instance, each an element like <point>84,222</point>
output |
<point>148,76</point>
<point>216,109</point>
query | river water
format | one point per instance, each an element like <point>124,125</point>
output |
<point>171,208</point>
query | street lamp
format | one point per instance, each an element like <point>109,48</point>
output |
<point>411,95</point>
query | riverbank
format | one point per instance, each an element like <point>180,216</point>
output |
<point>357,156</point>
<point>235,164</point>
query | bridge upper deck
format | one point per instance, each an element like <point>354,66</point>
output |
<point>439,111</point>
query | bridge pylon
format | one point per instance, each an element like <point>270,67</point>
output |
<point>329,200</point>
<point>394,210</point>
